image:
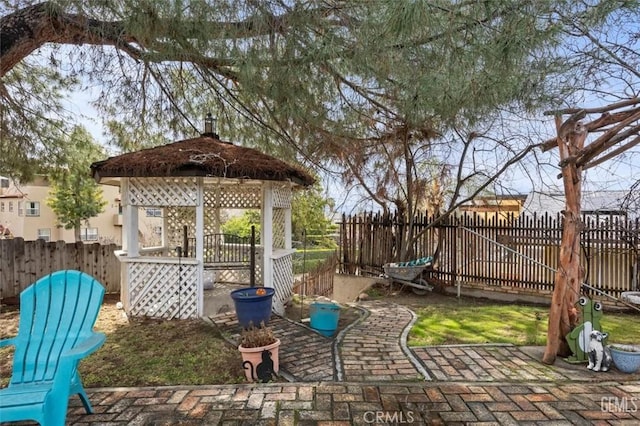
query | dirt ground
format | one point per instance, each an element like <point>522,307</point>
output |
<point>299,310</point>
<point>399,294</point>
<point>402,295</point>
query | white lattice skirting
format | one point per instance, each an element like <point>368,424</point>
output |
<point>163,290</point>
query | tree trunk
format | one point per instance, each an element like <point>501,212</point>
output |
<point>568,279</point>
<point>76,232</point>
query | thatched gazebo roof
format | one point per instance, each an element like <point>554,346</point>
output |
<point>202,156</point>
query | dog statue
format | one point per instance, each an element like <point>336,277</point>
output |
<point>599,354</point>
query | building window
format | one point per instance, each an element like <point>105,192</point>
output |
<point>20,210</point>
<point>157,230</point>
<point>44,234</point>
<point>89,234</point>
<point>154,212</point>
<point>1,206</point>
<point>33,208</point>
<point>4,183</point>
<point>10,206</point>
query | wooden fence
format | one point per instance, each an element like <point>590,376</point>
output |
<point>24,262</point>
<point>518,253</point>
<point>319,281</point>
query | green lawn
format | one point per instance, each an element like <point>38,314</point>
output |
<point>503,323</point>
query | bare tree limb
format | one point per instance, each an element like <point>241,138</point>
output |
<point>606,108</point>
<point>613,153</point>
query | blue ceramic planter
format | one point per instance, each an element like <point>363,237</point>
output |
<point>252,308</point>
<point>626,357</point>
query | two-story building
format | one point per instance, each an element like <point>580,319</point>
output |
<point>24,213</point>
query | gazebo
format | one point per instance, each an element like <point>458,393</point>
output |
<point>193,181</point>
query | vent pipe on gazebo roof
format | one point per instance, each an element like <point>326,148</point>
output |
<point>210,127</point>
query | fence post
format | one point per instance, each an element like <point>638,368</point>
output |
<point>185,241</point>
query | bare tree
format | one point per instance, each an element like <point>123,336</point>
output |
<point>620,131</point>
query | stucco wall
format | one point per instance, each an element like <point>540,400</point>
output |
<point>347,287</point>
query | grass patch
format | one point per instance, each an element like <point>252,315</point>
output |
<point>146,352</point>
<point>471,322</point>
<point>149,353</point>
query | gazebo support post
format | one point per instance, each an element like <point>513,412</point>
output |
<point>267,234</point>
<point>200,243</point>
<point>129,242</point>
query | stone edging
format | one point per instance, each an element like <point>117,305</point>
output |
<point>407,350</point>
<point>338,369</point>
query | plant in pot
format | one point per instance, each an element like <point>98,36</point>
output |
<point>259,348</point>
<point>626,358</point>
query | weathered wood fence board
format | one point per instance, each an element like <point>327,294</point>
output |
<point>24,262</point>
<point>318,282</point>
<point>516,252</point>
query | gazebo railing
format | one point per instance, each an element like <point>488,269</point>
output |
<point>225,251</point>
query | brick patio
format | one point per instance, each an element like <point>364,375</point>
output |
<point>368,375</point>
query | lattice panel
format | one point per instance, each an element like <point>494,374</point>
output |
<point>282,282</point>
<point>211,222</point>
<point>282,197</point>
<point>176,218</point>
<point>160,290</point>
<point>242,275</point>
<point>158,192</point>
<point>233,196</point>
<point>278,228</point>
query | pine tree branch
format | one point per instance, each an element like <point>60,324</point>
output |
<point>29,28</point>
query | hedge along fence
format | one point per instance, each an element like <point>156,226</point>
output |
<point>24,262</point>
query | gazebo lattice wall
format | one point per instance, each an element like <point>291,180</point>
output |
<point>282,254</point>
<point>158,283</point>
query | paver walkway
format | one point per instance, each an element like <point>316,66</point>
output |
<point>304,354</point>
<point>505,363</point>
<point>374,349</point>
<point>371,349</point>
<point>333,404</point>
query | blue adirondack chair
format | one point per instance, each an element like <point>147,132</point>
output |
<point>57,315</point>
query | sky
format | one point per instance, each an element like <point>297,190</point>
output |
<point>614,175</point>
